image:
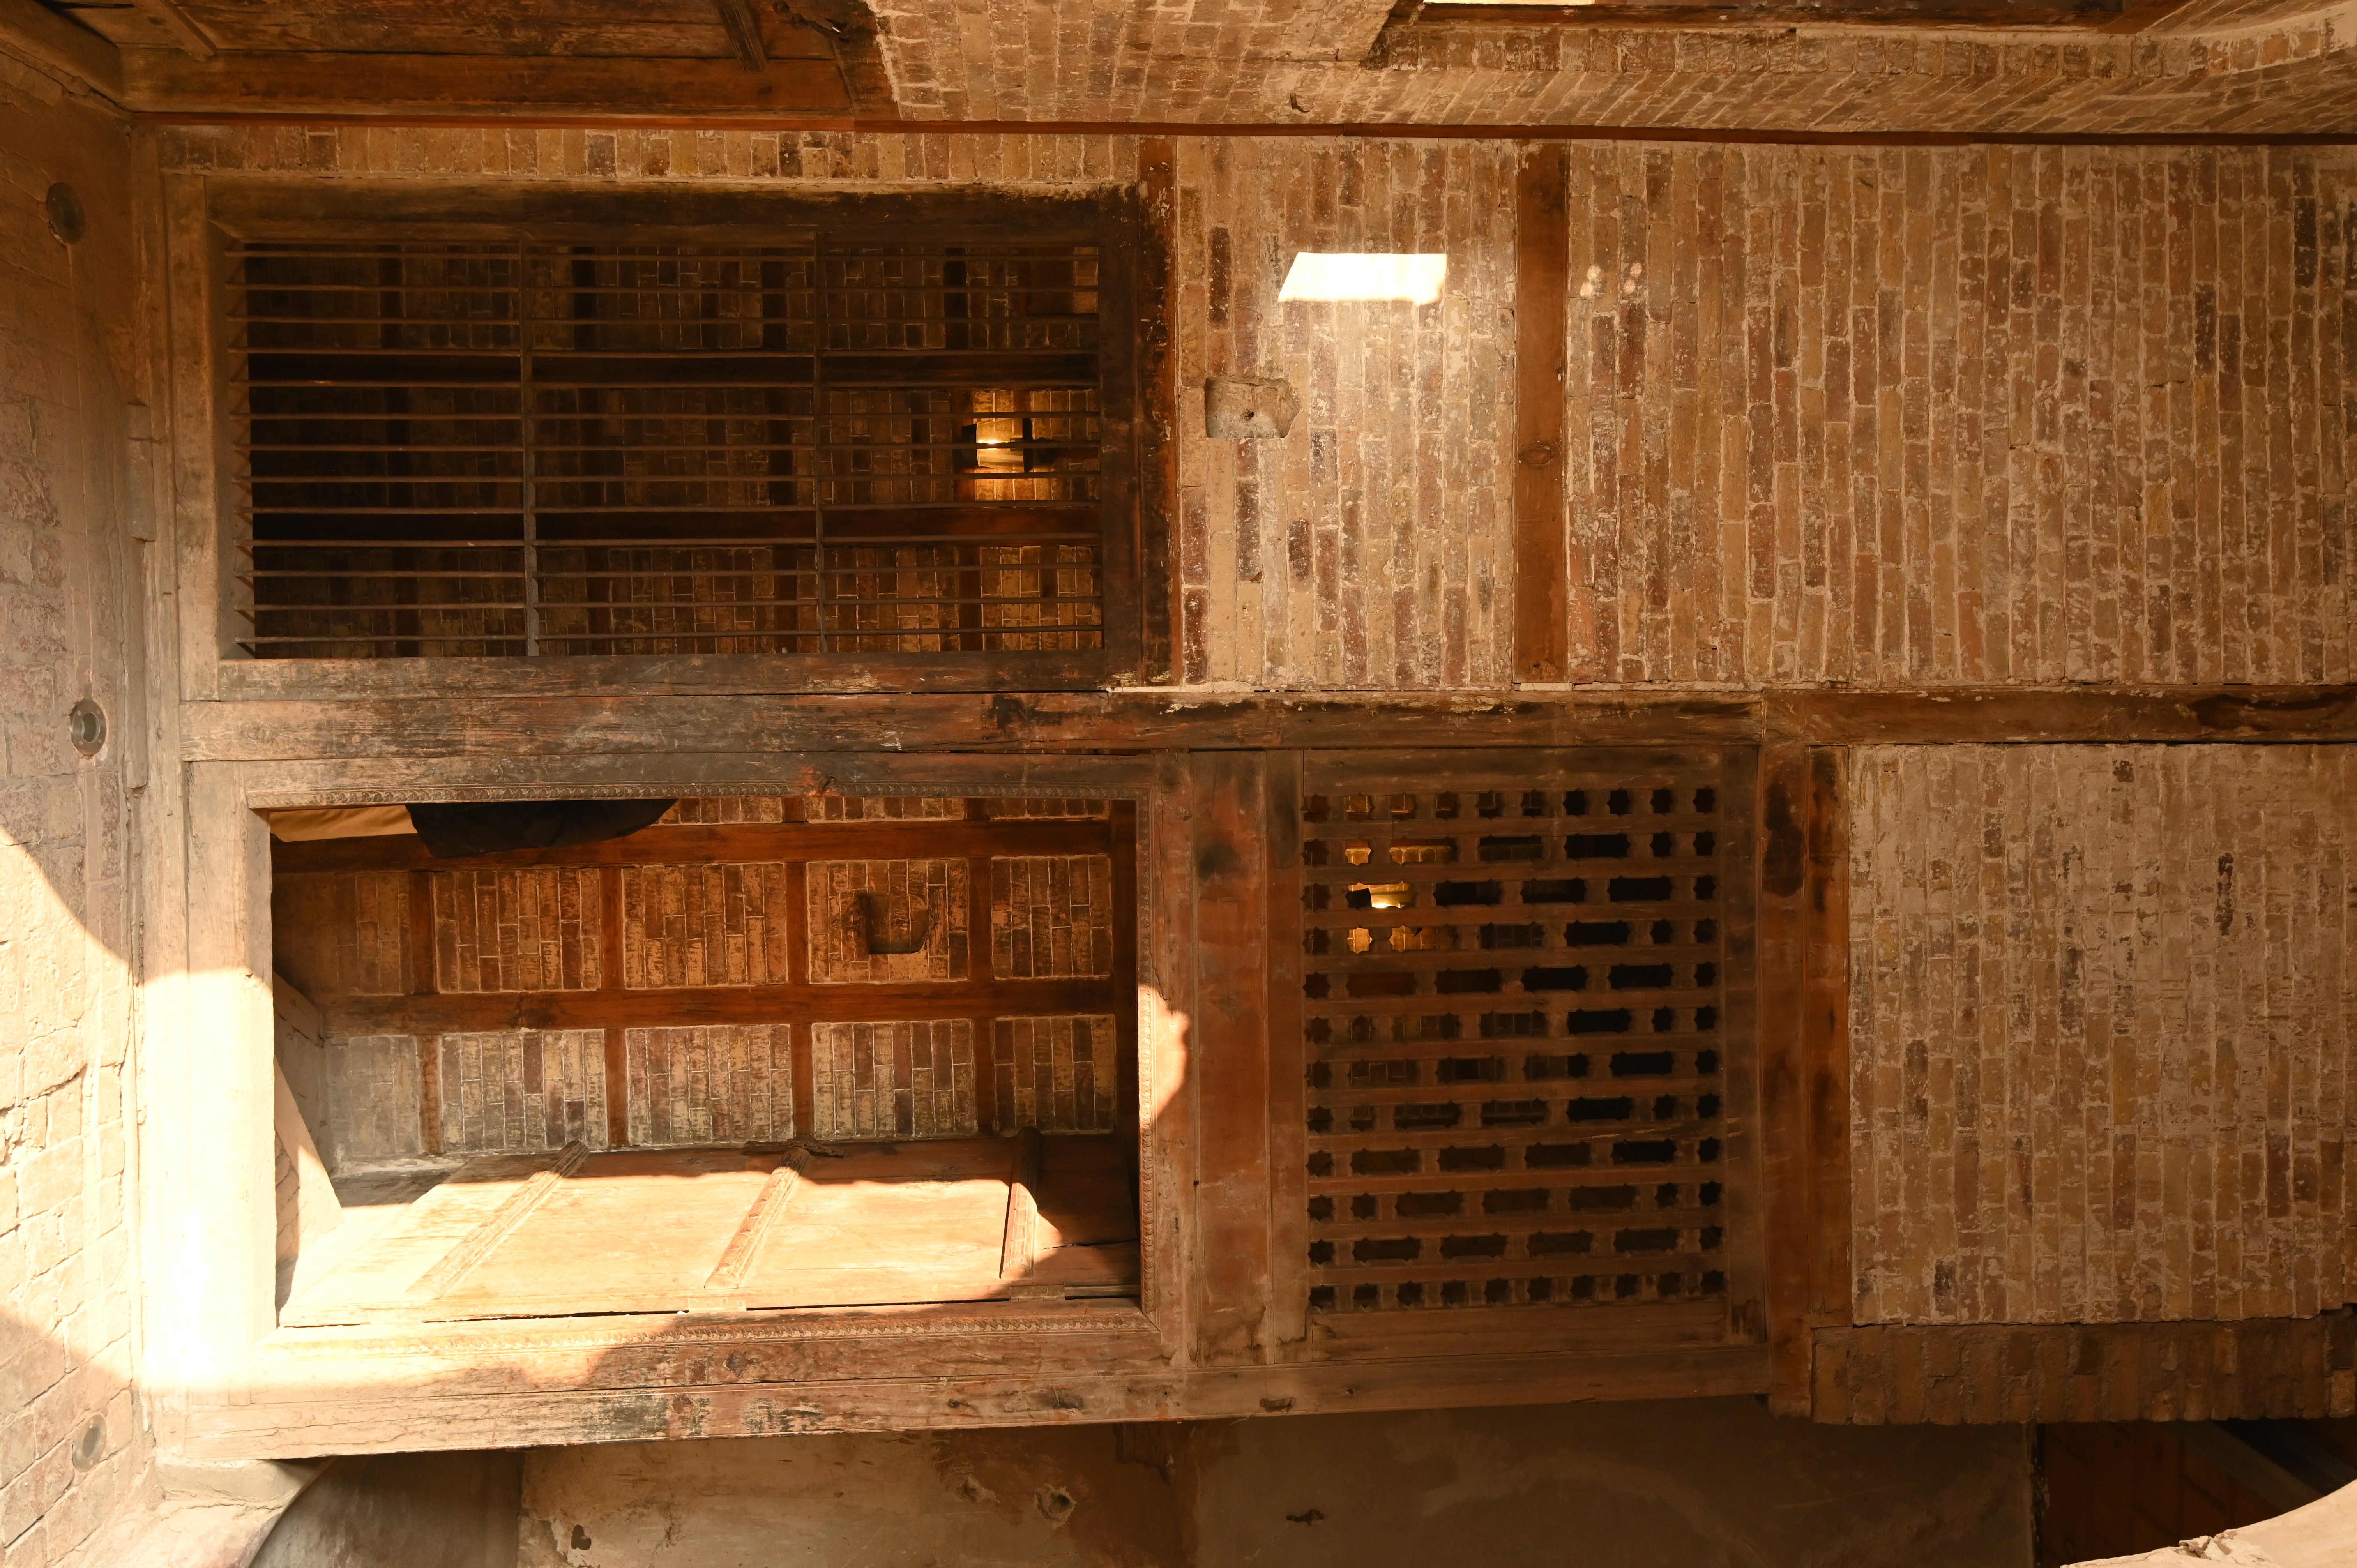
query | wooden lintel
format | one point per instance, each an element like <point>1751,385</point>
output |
<point>704,845</point>
<point>34,30</point>
<point>469,1012</point>
<point>584,727</point>
<point>167,81</point>
<point>745,32</point>
<point>2000,715</point>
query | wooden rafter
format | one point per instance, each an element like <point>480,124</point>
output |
<point>743,31</point>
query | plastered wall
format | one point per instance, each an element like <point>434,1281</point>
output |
<point>1642,1485</point>
<point>67,377</point>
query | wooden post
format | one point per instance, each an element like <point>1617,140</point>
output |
<point>1542,544</point>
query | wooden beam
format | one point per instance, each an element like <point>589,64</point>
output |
<point>1542,541</point>
<point>421,736</point>
<point>1998,715</point>
<point>164,81</point>
<point>43,35</point>
<point>744,32</point>
<point>683,845</point>
<point>472,1012</point>
<point>183,29</point>
<point>1803,1035</point>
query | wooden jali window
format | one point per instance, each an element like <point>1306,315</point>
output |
<point>1524,1016</point>
<point>873,439</point>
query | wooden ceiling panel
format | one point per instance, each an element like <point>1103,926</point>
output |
<point>661,30</point>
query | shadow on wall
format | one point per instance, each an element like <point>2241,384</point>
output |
<point>403,1511</point>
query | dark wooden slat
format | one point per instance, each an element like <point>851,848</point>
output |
<point>716,1004</point>
<point>160,80</point>
<point>54,41</point>
<point>331,709</point>
<point>744,32</point>
<point>1542,544</point>
<point>690,845</point>
<point>479,1244</point>
<point>1157,379</point>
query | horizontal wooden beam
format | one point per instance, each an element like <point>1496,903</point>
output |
<point>587,726</point>
<point>480,1012</point>
<point>362,1400</point>
<point>169,83</point>
<point>40,34</point>
<point>1999,716</point>
<point>708,845</point>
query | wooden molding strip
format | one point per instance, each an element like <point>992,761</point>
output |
<point>746,1245</point>
<point>461,1260</point>
<point>525,118</point>
<point>1542,535</point>
<point>1018,1254</point>
<point>434,738</point>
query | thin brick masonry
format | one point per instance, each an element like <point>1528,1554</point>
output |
<point>2103,1018</point>
<point>1985,417</point>
<point>2219,64</point>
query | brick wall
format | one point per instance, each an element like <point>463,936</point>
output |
<point>1881,417</point>
<point>66,1305</point>
<point>2103,1016</point>
<point>1989,416</point>
<point>2243,65</point>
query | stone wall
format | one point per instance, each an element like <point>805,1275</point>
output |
<point>73,1447</point>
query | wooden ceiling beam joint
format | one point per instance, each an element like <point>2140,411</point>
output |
<point>191,38</point>
<point>744,25</point>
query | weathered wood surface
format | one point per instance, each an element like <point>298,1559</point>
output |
<point>320,1401</point>
<point>686,845</point>
<point>1803,1053</point>
<point>2255,1368</point>
<point>1542,281</point>
<point>1228,1057</point>
<point>685,722</point>
<point>164,81</point>
<point>52,39</point>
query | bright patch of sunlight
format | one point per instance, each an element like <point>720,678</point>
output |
<point>1341,275</point>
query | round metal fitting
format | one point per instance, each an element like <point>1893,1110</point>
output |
<point>86,726</point>
<point>90,1445</point>
<point>66,218</point>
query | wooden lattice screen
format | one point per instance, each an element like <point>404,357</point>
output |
<point>818,444</point>
<point>1521,992</point>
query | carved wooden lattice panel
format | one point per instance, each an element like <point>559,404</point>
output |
<point>1517,978</point>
